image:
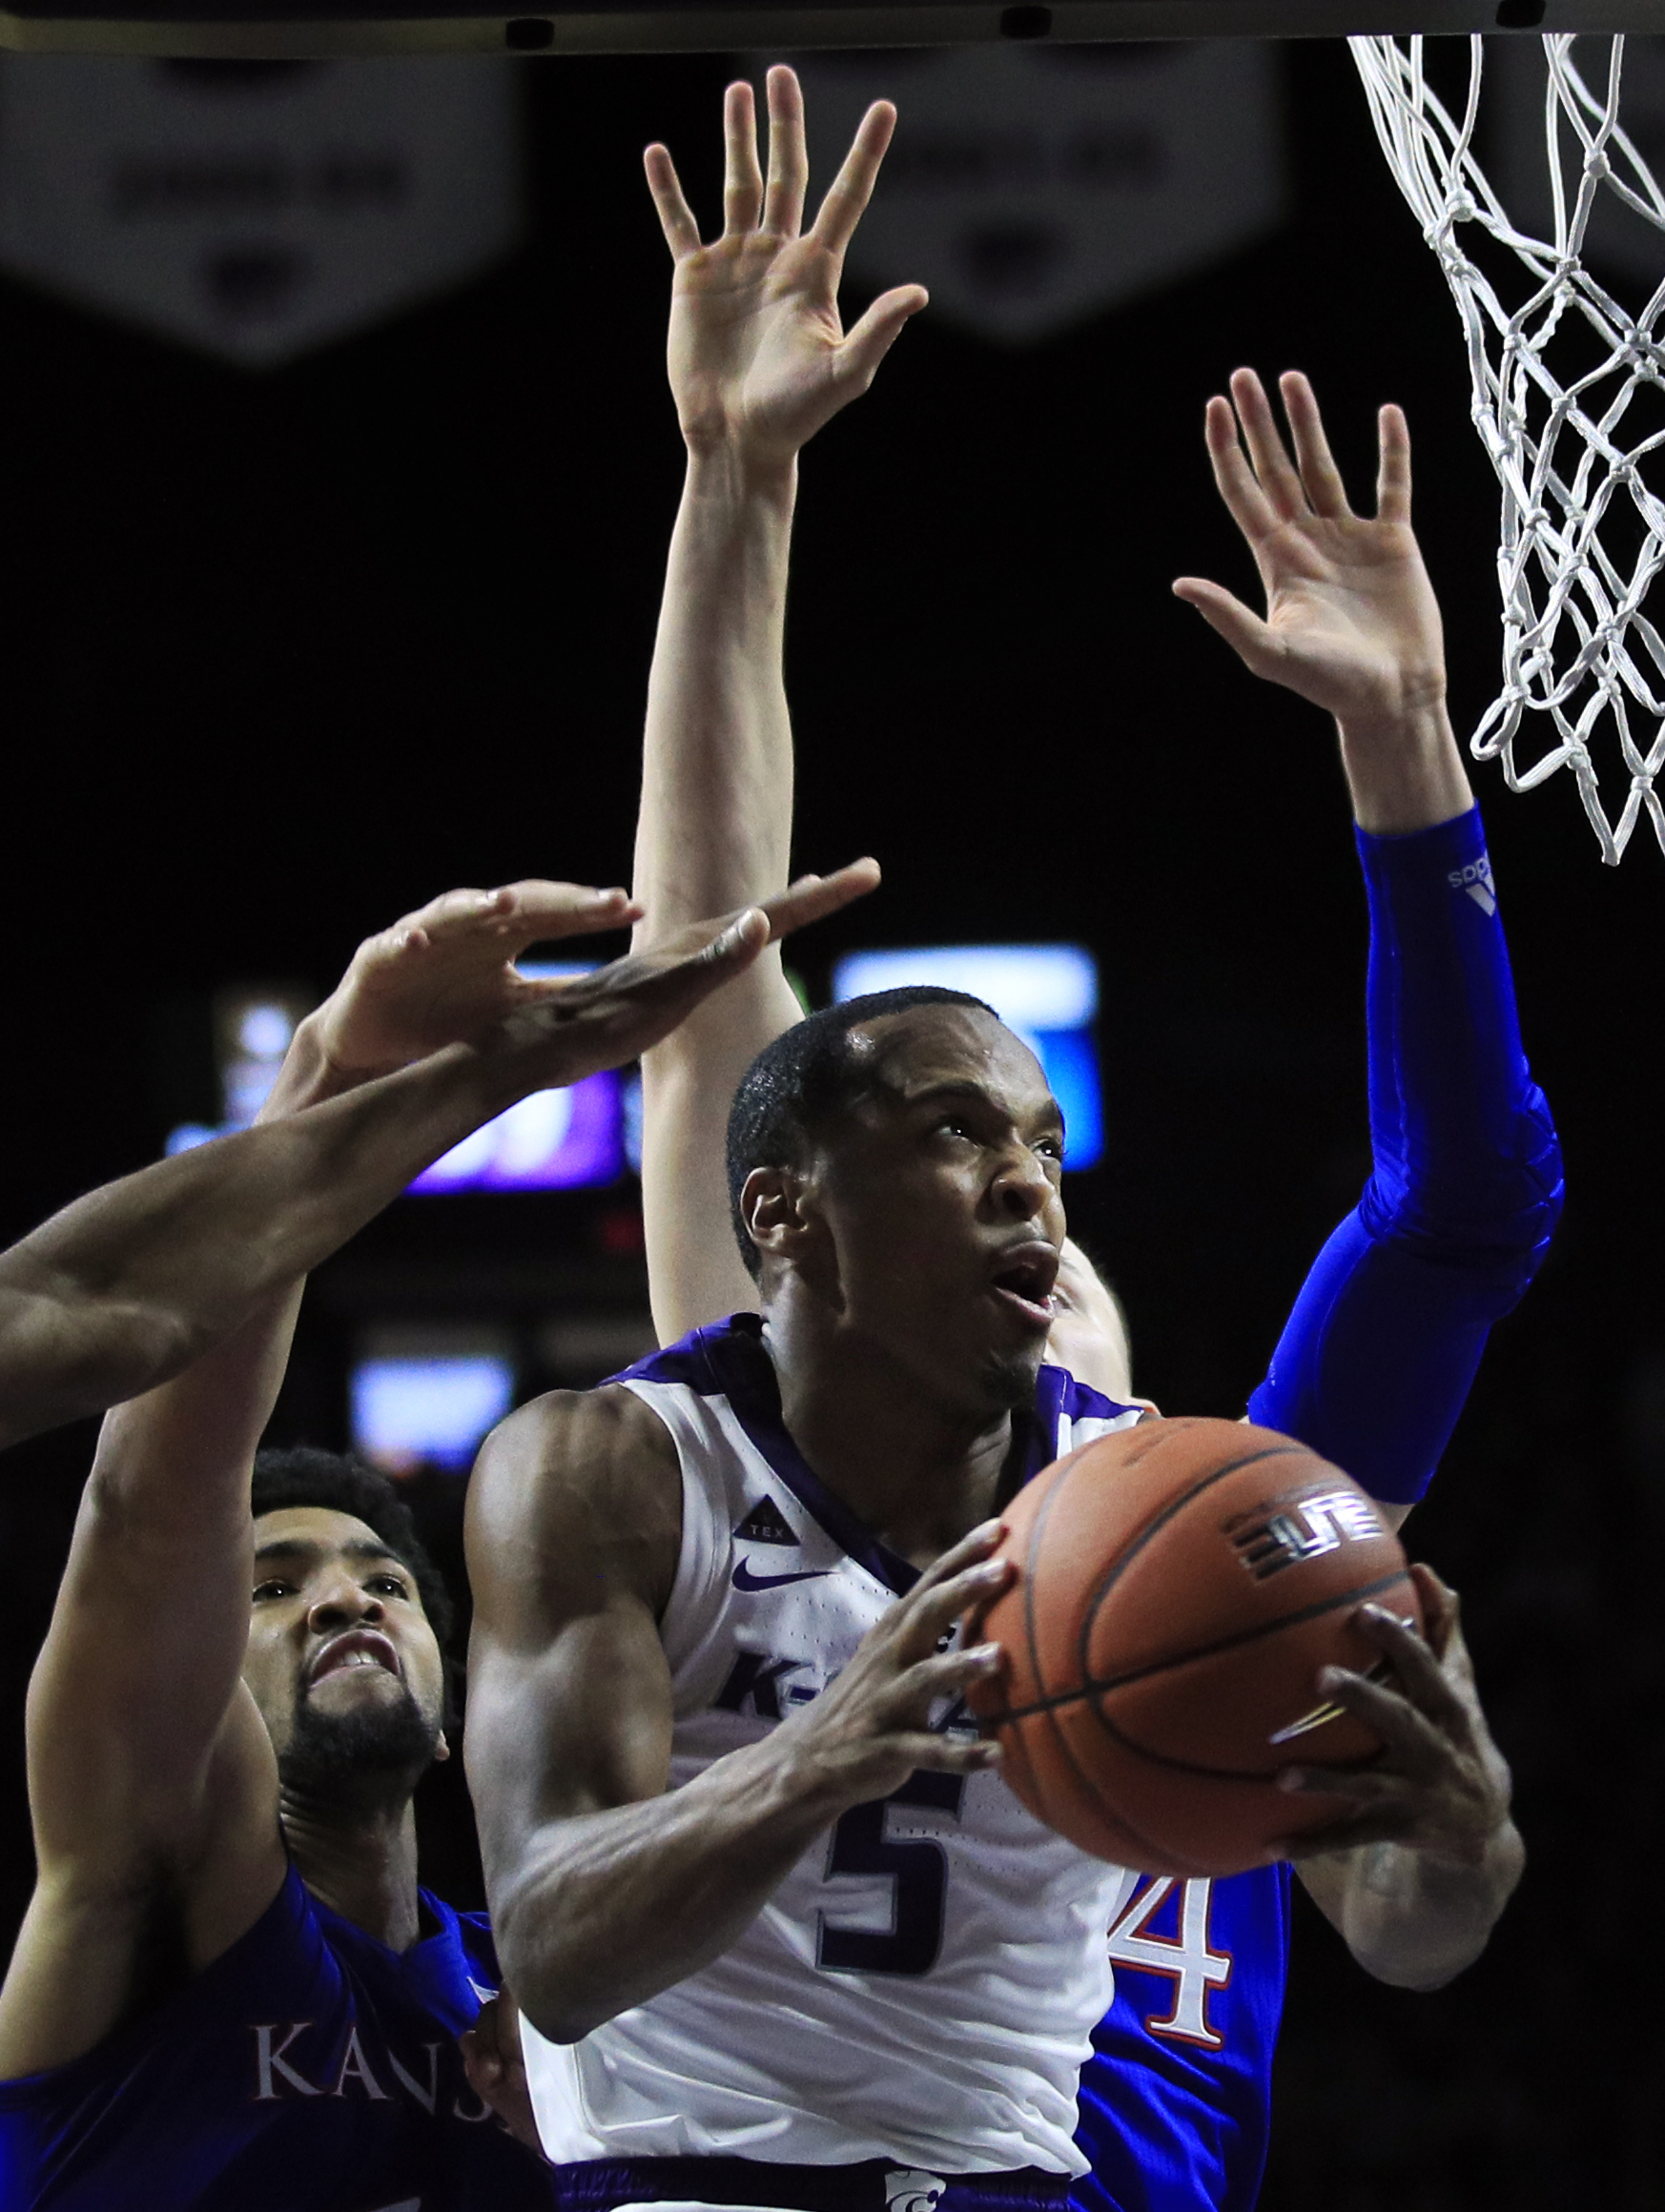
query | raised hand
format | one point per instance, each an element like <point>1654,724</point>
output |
<point>601,1020</point>
<point>446,974</point>
<point>1351,621</point>
<point>758,356</point>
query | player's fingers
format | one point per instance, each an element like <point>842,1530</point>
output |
<point>947,1673</point>
<point>742,177</point>
<point>935,1605</point>
<point>1362,1785</point>
<point>682,234</point>
<point>1236,482</point>
<point>789,164</point>
<point>812,897</point>
<point>448,909</point>
<point>1442,1618</point>
<point>1394,466</point>
<point>1420,1675</point>
<point>624,1008</point>
<point>973,1549</point>
<point>856,364</point>
<point>1273,468</point>
<point>1325,493</point>
<point>1419,1745</point>
<point>933,1610</point>
<point>946,1754</point>
<point>1241,628</point>
<point>522,913</point>
<point>851,190</point>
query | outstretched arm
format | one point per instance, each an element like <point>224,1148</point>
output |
<point>125,1287</point>
<point>150,1770</point>
<point>1386,1334</point>
<point>1378,1356</point>
<point>758,361</point>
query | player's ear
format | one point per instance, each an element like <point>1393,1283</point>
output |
<point>773,1205</point>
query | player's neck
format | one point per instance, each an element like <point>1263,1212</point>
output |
<point>361,1861</point>
<point>920,1472</point>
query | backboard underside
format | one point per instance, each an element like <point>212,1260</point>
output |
<point>271,31</point>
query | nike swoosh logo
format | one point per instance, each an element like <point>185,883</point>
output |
<point>744,1580</point>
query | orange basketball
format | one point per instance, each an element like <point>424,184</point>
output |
<point>1179,1586</point>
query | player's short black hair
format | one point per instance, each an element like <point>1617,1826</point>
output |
<point>342,1482</point>
<point>796,1083</point>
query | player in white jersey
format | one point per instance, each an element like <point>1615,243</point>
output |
<point>776,1584</point>
<point>763,1922</point>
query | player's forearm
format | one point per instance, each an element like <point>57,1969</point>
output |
<point>1405,772</point>
<point>604,1911</point>
<point>187,1446</point>
<point>129,1285</point>
<point>1417,1921</point>
<point>715,824</point>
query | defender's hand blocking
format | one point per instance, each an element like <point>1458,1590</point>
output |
<point>758,356</point>
<point>446,974</point>
<point>621,1011</point>
<point>870,1729</point>
<point>1351,619</point>
<point>1441,1787</point>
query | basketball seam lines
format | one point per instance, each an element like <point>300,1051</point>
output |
<point>1135,1544</point>
<point>1095,1689</point>
<point>1095,1794</point>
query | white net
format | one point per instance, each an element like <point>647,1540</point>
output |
<point>1569,397</point>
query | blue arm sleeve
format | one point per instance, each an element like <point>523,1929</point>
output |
<point>1377,1358</point>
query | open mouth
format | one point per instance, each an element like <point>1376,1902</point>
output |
<point>1024,1278</point>
<point>356,1647</point>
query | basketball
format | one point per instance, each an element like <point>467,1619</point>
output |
<point>1179,1586</point>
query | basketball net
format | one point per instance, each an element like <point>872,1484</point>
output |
<point>1566,385</point>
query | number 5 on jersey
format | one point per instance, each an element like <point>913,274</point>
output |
<point>916,1868</point>
<point>1194,1968</point>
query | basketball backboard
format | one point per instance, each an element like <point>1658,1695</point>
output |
<point>280,30</point>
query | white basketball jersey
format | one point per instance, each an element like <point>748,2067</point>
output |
<point>923,1983</point>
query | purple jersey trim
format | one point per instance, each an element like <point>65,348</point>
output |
<point>730,1360</point>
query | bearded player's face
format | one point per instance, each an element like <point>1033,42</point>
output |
<point>341,1660</point>
<point>938,1189</point>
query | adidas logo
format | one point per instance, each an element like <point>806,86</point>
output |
<point>766,1524</point>
<point>1476,880</point>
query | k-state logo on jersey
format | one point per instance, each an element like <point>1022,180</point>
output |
<point>769,1685</point>
<point>907,2190</point>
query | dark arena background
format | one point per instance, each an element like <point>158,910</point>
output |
<point>288,652</point>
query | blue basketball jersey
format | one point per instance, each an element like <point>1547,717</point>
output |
<point>308,2069</point>
<point>1176,2098</point>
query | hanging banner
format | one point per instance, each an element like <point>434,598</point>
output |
<point>255,208</point>
<point>1030,187</point>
